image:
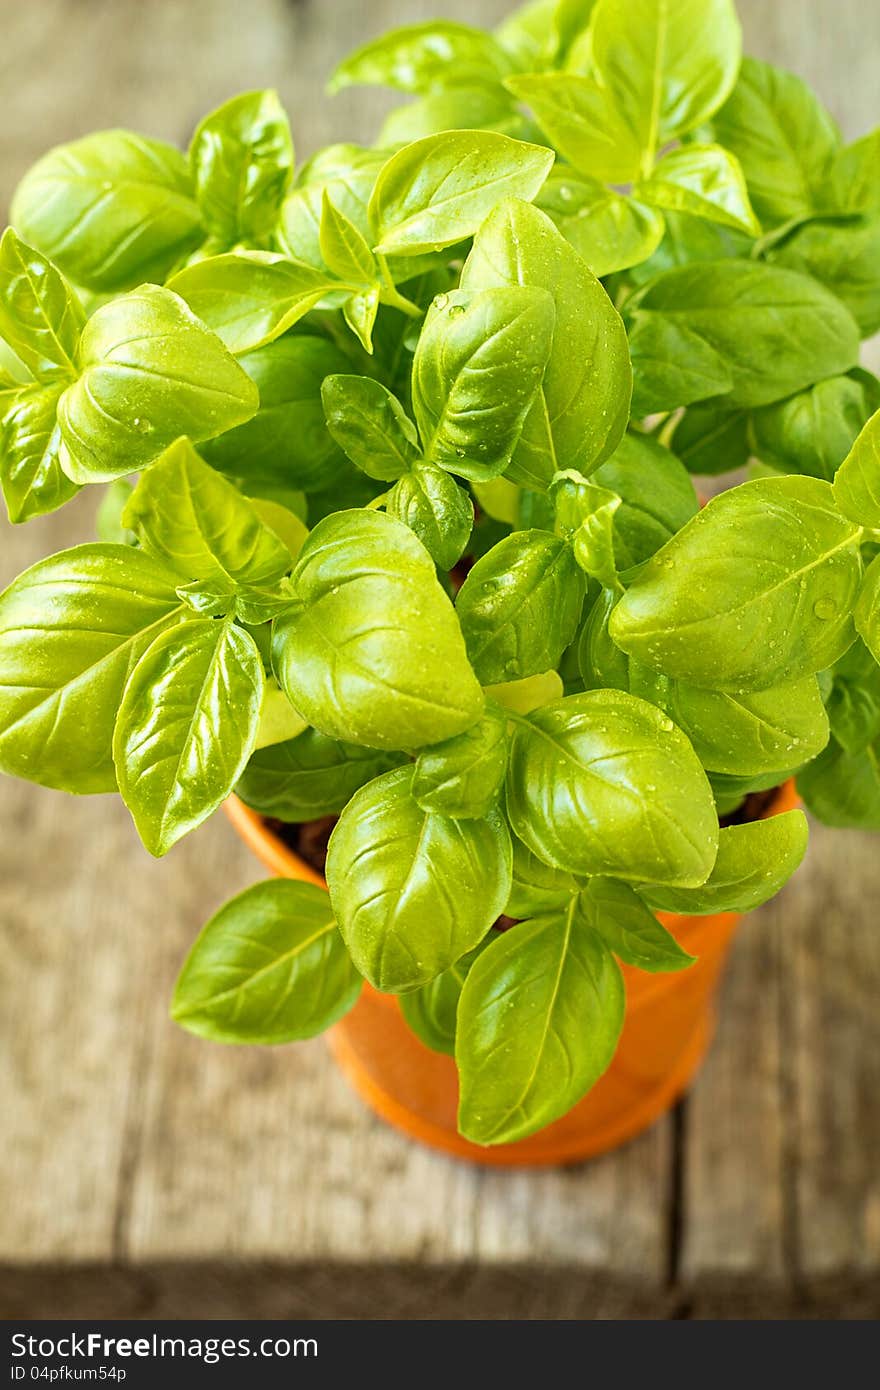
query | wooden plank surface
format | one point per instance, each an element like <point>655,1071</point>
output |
<point>135,1152</point>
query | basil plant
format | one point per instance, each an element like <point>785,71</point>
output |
<point>399,526</point>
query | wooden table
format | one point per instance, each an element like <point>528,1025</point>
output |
<point>148,1174</point>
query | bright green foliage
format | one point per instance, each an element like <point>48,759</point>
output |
<point>186,727</point>
<point>629,928</point>
<point>581,409</point>
<point>400,539</point>
<point>725,607</point>
<point>857,482</point>
<point>463,776</point>
<point>385,855</point>
<point>538,1021</point>
<point>269,967</point>
<point>241,160</point>
<point>753,863</point>
<point>133,397</point>
<point>584,771</point>
<point>370,651</point>
<point>112,210</point>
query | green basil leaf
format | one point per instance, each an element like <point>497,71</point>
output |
<point>71,629</point>
<point>40,316</point>
<point>753,733</point>
<point>309,776</point>
<point>533,35</point>
<point>580,119</point>
<point>712,438</point>
<point>690,240</point>
<point>582,408</point>
<point>854,700</point>
<point>389,865</point>
<point>360,312</point>
<point>370,424</point>
<point>286,445</point>
<point>782,136</point>
<point>134,396</point>
<point>522,696</point>
<point>754,861</point>
<point>437,191</point>
<point>373,652</point>
<point>500,499</point>
<point>666,67</point>
<point>813,431</point>
<point>418,57</point>
<point>585,517</point>
<point>704,180</point>
<point>537,887</point>
<point>290,529</point>
<point>241,157</point>
<point>31,475</point>
<point>673,366</point>
<point>629,928</point>
<point>843,789</point>
<point>343,248</point>
<point>844,256</point>
<point>13,372</point>
<point>785,569</point>
<point>480,107</point>
<point>611,232</point>
<point>853,184</point>
<point>250,297</point>
<point>186,727</point>
<point>743,733</point>
<point>857,482</point>
<point>868,609</point>
<point>108,518</point>
<point>538,1023</point>
<point>440,512</point>
<point>269,967</point>
<point>656,497</point>
<point>775,330</point>
<point>279,722</point>
<point>347,175</point>
<point>463,776</point>
<point>343,160</point>
<point>199,525</point>
<point>112,210</point>
<point>603,664</point>
<point>604,783</point>
<point>477,369</point>
<point>431,1012</point>
<point>254,605</point>
<point>520,606</point>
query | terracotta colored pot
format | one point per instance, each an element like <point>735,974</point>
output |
<point>669,1024</point>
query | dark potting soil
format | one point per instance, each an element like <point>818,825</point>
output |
<point>308,840</point>
<point>755,807</point>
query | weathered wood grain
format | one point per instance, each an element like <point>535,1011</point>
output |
<point>136,1153</point>
<point>732,1153</point>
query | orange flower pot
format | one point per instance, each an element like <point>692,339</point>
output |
<point>669,1025</point>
